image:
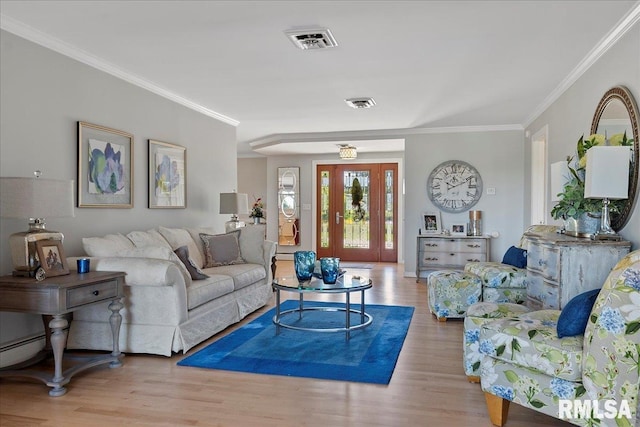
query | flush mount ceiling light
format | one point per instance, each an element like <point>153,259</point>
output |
<point>360,102</point>
<point>348,152</point>
<point>316,38</point>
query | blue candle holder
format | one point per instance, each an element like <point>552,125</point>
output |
<point>304,262</point>
<point>330,268</point>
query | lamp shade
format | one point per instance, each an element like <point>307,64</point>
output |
<point>607,172</point>
<point>560,175</point>
<point>234,203</point>
<point>35,198</point>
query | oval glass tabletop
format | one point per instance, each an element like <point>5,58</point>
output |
<point>345,283</point>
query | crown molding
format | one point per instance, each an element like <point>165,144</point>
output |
<point>610,39</point>
<point>29,33</point>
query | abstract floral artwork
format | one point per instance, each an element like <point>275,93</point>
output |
<point>167,175</point>
<point>105,167</point>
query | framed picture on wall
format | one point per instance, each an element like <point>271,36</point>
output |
<point>105,167</point>
<point>167,175</point>
<point>431,222</point>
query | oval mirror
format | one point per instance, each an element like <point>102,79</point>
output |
<point>288,181</point>
<point>617,113</point>
<point>288,206</point>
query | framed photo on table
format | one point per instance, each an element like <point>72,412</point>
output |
<point>51,256</point>
<point>431,223</point>
<point>167,175</point>
<point>105,167</point>
<point>459,229</point>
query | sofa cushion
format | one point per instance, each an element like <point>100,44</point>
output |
<point>221,249</point>
<point>157,252</point>
<point>251,239</point>
<point>531,341</point>
<point>516,257</point>
<point>498,275</point>
<point>107,246</point>
<point>183,253</point>
<point>180,237</point>
<point>202,291</point>
<point>242,274</point>
<point>195,235</point>
<point>148,238</point>
<point>574,316</point>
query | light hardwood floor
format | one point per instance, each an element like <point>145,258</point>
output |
<point>428,387</point>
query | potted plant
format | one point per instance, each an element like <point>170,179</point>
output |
<point>257,210</point>
<point>582,216</point>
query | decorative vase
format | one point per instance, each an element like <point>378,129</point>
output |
<point>303,263</point>
<point>585,225</point>
<point>256,220</point>
<point>330,267</point>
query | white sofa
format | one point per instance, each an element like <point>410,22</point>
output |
<point>165,310</point>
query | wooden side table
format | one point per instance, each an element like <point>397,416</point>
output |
<point>56,297</point>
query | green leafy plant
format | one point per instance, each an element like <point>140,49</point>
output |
<point>573,203</point>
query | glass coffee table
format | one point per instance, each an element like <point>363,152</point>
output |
<point>346,284</point>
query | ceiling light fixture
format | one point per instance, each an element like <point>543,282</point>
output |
<point>360,102</point>
<point>316,38</point>
<point>348,152</point>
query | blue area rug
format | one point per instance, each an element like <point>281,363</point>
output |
<point>369,356</point>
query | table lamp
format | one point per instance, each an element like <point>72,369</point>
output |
<point>234,204</point>
<point>33,198</point>
<point>606,178</point>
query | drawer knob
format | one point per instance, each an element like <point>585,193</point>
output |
<point>96,293</point>
<point>541,262</point>
<point>473,260</point>
<point>473,246</point>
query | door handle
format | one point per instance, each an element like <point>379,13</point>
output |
<point>338,216</point>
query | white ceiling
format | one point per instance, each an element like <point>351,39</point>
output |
<point>429,65</point>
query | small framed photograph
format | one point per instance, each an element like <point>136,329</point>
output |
<point>459,229</point>
<point>167,175</point>
<point>431,223</point>
<point>51,256</point>
<point>105,167</point>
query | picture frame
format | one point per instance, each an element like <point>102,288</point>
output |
<point>459,229</point>
<point>431,222</point>
<point>51,256</point>
<point>105,167</point>
<point>167,175</point>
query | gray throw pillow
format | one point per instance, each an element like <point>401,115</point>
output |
<point>196,274</point>
<point>221,249</point>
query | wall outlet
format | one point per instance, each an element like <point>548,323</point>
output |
<point>491,191</point>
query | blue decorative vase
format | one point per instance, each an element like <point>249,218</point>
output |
<point>303,262</point>
<point>330,268</point>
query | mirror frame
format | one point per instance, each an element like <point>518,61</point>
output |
<point>621,93</point>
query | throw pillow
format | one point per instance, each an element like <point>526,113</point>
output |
<point>183,253</point>
<point>221,249</point>
<point>107,246</point>
<point>574,316</point>
<point>180,237</point>
<point>516,257</point>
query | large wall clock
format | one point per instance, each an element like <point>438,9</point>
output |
<point>454,186</point>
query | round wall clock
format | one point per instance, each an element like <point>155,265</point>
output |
<point>454,186</point>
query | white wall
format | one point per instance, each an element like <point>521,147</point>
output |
<point>570,116</point>
<point>498,157</point>
<point>42,96</point>
<point>252,174</point>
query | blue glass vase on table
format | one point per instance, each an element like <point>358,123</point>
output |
<point>304,262</point>
<point>330,268</point>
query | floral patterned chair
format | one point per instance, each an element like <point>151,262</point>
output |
<point>525,362</point>
<point>503,282</point>
<point>503,292</point>
<point>451,292</point>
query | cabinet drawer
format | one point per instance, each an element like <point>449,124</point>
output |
<point>453,245</point>
<point>450,258</point>
<point>543,291</point>
<point>92,293</point>
<point>544,260</point>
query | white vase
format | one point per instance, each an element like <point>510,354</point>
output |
<point>256,220</point>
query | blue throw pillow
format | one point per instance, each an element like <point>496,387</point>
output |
<point>574,316</point>
<point>516,257</point>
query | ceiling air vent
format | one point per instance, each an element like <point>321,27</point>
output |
<point>360,102</point>
<point>318,38</point>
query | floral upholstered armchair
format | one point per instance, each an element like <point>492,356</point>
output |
<point>589,379</point>
<point>504,282</point>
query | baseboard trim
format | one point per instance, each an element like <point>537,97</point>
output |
<point>20,350</point>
